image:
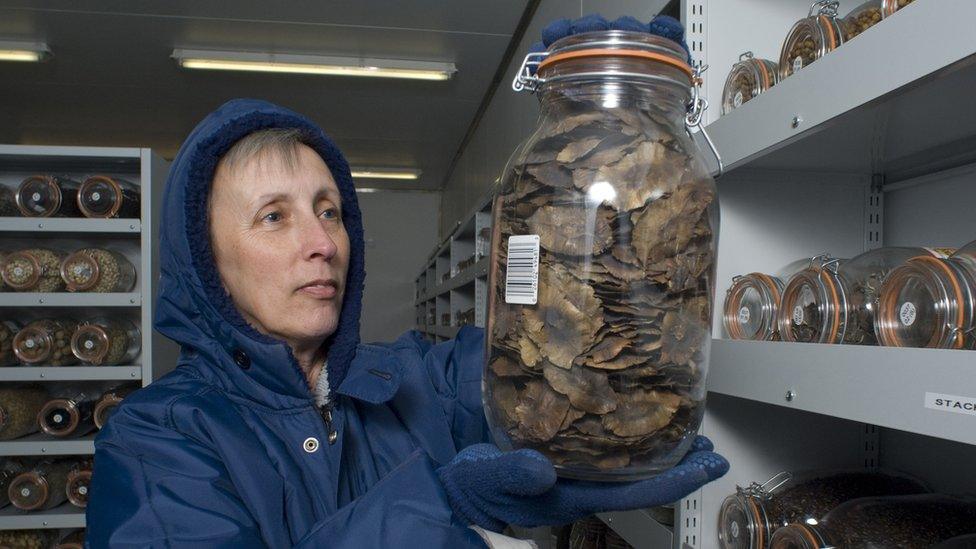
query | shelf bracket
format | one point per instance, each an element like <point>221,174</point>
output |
<point>874,213</point>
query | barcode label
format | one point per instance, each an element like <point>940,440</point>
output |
<point>522,270</point>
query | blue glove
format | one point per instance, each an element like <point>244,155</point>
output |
<point>491,488</point>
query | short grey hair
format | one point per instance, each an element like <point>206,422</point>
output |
<point>281,143</point>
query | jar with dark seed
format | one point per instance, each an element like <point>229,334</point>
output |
<point>28,539</point>
<point>110,400</point>
<point>34,270</point>
<point>69,415</point>
<point>98,270</point>
<point>18,410</point>
<point>79,484</point>
<point>43,486</point>
<point>73,540</point>
<point>104,197</point>
<point>105,341</point>
<point>46,342</point>
<point>8,471</point>
<point>8,331</point>
<point>811,38</point>
<point>8,203</point>
<point>48,196</point>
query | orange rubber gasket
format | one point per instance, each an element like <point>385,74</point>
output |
<point>598,52</point>
<point>760,528</point>
<point>835,298</point>
<point>831,35</point>
<point>956,290</point>
<point>765,74</point>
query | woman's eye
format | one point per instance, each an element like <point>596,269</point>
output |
<point>331,213</point>
<point>272,217</point>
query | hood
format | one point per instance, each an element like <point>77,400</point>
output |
<point>192,306</point>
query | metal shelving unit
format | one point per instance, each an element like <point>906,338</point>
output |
<point>134,237</point>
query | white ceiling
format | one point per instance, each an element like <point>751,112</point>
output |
<point>111,80</point>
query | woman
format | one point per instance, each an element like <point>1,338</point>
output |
<point>277,428</point>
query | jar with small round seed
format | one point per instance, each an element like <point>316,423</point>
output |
<point>8,203</point>
<point>48,196</point>
<point>98,270</point>
<point>105,341</point>
<point>109,401</point>
<point>895,5</point>
<point>811,38</point>
<point>8,471</point>
<point>69,415</point>
<point>46,342</point>
<point>18,410</point>
<point>28,539</point>
<point>8,331</point>
<point>747,79</point>
<point>863,17</point>
<point>43,486</point>
<point>34,270</point>
<point>73,540</point>
<point>79,484</point>
<point>102,196</point>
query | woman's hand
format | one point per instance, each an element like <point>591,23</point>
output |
<point>491,488</point>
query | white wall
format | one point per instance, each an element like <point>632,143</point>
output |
<point>401,230</point>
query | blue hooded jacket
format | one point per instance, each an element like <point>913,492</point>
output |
<point>229,449</point>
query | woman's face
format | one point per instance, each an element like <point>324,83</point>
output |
<point>280,246</point>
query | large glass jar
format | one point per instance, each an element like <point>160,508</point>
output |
<point>28,539</point>
<point>46,342</point>
<point>930,302</point>
<point>109,401</point>
<point>906,522</point>
<point>8,471</point>
<point>18,410</point>
<point>103,196</point>
<point>835,300</point>
<point>98,270</point>
<point>811,38</point>
<point>78,485</point>
<point>8,331</point>
<point>106,341</point>
<point>69,415</point>
<point>41,487</point>
<point>748,518</point>
<point>48,196</point>
<point>602,276</point>
<point>747,79</point>
<point>752,301</point>
<point>33,270</point>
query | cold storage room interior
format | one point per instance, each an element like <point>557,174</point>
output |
<point>760,232</point>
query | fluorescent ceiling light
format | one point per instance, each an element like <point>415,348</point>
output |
<point>313,64</point>
<point>29,52</point>
<point>384,173</point>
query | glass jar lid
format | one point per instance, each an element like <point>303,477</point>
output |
<point>923,303</point>
<point>811,38</point>
<point>33,344</point>
<point>80,271</point>
<point>747,79</point>
<point>78,486</point>
<point>21,270</point>
<point>100,196</point>
<point>105,407</point>
<point>750,307</point>
<point>59,417</point>
<point>813,308</point>
<point>90,343</point>
<point>39,196</point>
<point>29,491</point>
<point>742,522</point>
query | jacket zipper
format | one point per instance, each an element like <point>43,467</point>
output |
<point>326,412</point>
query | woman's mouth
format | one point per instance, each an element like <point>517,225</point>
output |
<point>320,289</point>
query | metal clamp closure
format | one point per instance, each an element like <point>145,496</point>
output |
<point>824,7</point>
<point>526,77</point>
<point>696,111</point>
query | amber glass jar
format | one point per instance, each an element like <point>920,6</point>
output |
<point>69,415</point>
<point>747,79</point>
<point>18,410</point>
<point>811,38</point>
<point>106,341</point>
<point>103,196</point>
<point>48,196</point>
<point>46,342</point>
<point>602,274</point>
<point>41,487</point>
<point>109,401</point>
<point>98,270</point>
<point>33,270</point>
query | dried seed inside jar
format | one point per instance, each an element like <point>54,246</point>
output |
<point>106,341</point>
<point>28,539</point>
<point>98,270</point>
<point>34,270</point>
<point>8,204</point>
<point>8,330</point>
<point>862,18</point>
<point>46,342</point>
<point>18,410</point>
<point>73,540</point>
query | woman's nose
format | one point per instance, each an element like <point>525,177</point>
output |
<point>316,239</point>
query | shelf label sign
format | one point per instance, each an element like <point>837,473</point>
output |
<point>522,270</point>
<point>951,403</point>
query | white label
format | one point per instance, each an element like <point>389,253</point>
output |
<point>744,315</point>
<point>96,196</point>
<point>907,313</point>
<point>25,492</point>
<point>36,197</point>
<point>735,530</point>
<point>30,344</point>
<point>83,490</point>
<point>89,344</point>
<point>522,270</point>
<point>58,418</point>
<point>798,314</point>
<point>18,271</point>
<point>737,99</point>
<point>797,63</point>
<point>951,403</point>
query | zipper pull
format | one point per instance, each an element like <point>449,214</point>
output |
<point>326,412</point>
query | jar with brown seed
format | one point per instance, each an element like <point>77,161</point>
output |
<point>811,38</point>
<point>79,484</point>
<point>106,341</point>
<point>103,196</point>
<point>895,5</point>
<point>8,203</point>
<point>43,486</point>
<point>48,196</point>
<point>34,270</point>
<point>8,471</point>
<point>46,342</point>
<point>98,270</point>
<point>18,410</point>
<point>69,415</point>
<point>28,539</point>
<point>73,540</point>
<point>8,331</point>
<point>863,17</point>
<point>747,79</point>
<point>109,401</point>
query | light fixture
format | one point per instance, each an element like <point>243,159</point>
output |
<point>30,52</point>
<point>312,64</point>
<point>384,173</point>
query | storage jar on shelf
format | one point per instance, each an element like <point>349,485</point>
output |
<point>8,472</point>
<point>18,410</point>
<point>602,273</point>
<point>8,331</point>
<point>930,302</point>
<point>33,270</point>
<point>78,485</point>
<point>71,414</point>
<point>102,196</point>
<point>42,486</point>
<point>48,196</point>
<point>747,79</point>
<point>106,341</point>
<point>98,270</point>
<point>863,17</point>
<point>109,401</point>
<point>752,302</point>
<point>811,38</point>
<point>46,342</point>
<point>748,518</point>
